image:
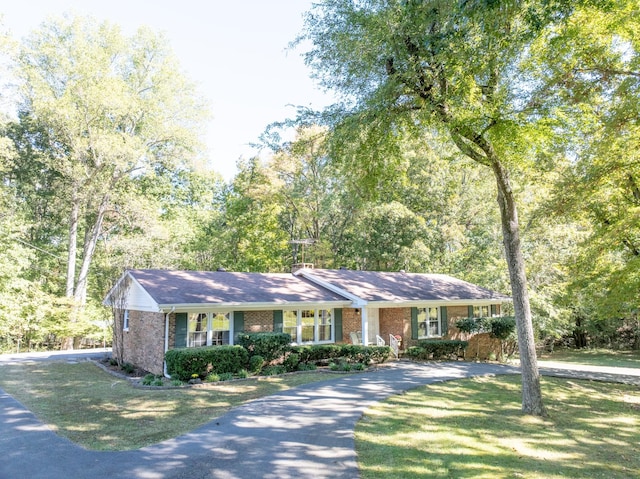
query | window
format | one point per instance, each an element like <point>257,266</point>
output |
<point>220,328</point>
<point>429,322</point>
<point>308,321</point>
<point>309,325</point>
<point>208,329</point>
<point>325,320</point>
<point>125,320</point>
<point>290,324</point>
<point>481,311</point>
<point>197,330</point>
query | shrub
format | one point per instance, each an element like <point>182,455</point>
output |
<point>270,346</point>
<point>226,376</point>
<point>291,362</point>
<point>212,378</point>
<point>340,366</point>
<point>243,373</point>
<point>365,354</point>
<point>128,368</point>
<point>470,325</point>
<point>153,380</point>
<point>500,327</point>
<point>273,370</point>
<point>307,367</point>
<point>183,363</point>
<point>176,382</point>
<point>318,352</point>
<point>437,349</point>
<point>256,363</point>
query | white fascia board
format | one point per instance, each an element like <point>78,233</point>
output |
<point>143,301</point>
<point>107,299</point>
<point>356,301</point>
<point>237,306</point>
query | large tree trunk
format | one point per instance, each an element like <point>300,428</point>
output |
<point>68,342</point>
<point>531,393</point>
<point>73,242</point>
<point>89,249</point>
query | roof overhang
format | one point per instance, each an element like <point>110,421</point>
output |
<point>437,302</point>
<point>239,306</point>
<point>143,300</point>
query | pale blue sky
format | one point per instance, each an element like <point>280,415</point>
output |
<point>234,50</point>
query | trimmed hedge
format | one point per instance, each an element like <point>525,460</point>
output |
<point>270,346</point>
<point>437,349</point>
<point>365,354</point>
<point>183,363</point>
<point>317,352</point>
<point>348,352</point>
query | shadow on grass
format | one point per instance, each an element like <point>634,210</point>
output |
<point>474,429</point>
<point>595,357</point>
<point>98,411</point>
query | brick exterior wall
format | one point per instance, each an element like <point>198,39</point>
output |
<point>143,343</point>
<point>396,321</point>
<point>351,322</point>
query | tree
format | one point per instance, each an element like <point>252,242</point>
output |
<point>101,111</point>
<point>405,67</point>
<point>388,237</point>
<point>589,72</point>
<point>250,233</point>
<point>316,204</point>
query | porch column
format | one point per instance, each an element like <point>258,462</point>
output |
<point>365,326</point>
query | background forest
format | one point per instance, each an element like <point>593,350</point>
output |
<point>102,170</point>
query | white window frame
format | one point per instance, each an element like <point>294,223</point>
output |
<point>206,334</point>
<point>125,320</point>
<point>427,322</point>
<point>478,311</point>
<point>317,316</point>
<point>211,331</point>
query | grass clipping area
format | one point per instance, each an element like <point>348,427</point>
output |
<point>101,412</point>
<point>475,429</point>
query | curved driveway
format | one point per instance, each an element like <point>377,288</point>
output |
<point>304,432</point>
<point>307,432</point>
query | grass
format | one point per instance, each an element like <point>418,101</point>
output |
<point>474,429</point>
<point>596,357</point>
<point>98,411</point>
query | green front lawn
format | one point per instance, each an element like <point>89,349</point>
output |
<point>474,429</point>
<point>595,357</point>
<point>99,411</point>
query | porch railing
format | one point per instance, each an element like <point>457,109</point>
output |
<point>395,345</point>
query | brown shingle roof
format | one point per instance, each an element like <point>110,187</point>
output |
<point>168,287</point>
<point>384,286</point>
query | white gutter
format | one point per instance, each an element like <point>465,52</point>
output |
<point>166,342</point>
<point>439,302</point>
<point>238,306</point>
